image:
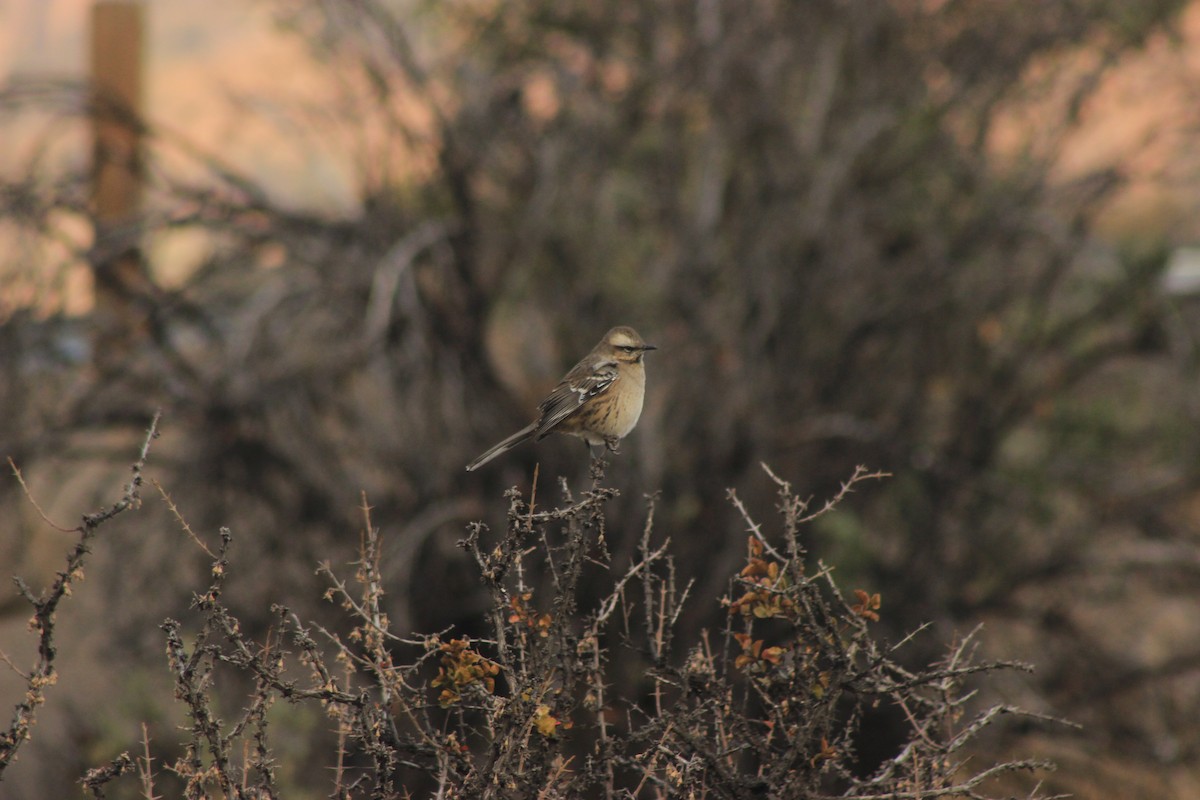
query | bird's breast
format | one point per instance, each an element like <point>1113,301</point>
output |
<point>629,402</point>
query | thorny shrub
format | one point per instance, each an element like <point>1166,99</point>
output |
<point>771,706</point>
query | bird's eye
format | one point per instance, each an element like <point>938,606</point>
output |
<point>627,348</point>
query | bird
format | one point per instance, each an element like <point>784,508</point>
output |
<point>599,399</point>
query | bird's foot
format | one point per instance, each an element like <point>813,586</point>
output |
<point>612,443</point>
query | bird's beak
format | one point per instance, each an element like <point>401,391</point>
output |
<point>649,347</point>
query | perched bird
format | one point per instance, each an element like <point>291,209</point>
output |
<point>599,400</point>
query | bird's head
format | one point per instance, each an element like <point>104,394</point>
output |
<point>624,344</point>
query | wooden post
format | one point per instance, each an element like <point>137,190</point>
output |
<point>120,275</point>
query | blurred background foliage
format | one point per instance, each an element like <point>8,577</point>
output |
<point>853,231</point>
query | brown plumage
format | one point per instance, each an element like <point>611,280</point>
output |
<point>599,400</point>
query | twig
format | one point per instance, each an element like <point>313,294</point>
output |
<point>4,657</point>
<point>145,763</point>
<point>179,518</point>
<point>860,475</point>
<point>96,778</point>
<point>29,497</point>
<point>43,673</point>
<point>753,527</point>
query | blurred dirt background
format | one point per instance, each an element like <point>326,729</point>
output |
<point>942,239</point>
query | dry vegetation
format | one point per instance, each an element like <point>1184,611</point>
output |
<point>803,206</point>
<point>774,705</point>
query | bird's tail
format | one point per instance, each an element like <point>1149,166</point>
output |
<point>504,446</point>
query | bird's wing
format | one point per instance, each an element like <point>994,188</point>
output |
<point>582,383</point>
